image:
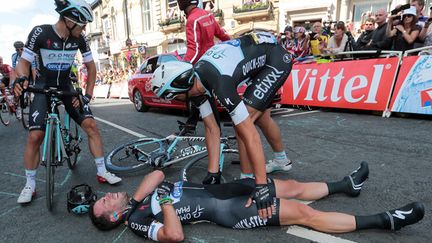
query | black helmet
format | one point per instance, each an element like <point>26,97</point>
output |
<point>183,4</point>
<point>77,10</point>
<point>18,44</point>
<point>79,199</point>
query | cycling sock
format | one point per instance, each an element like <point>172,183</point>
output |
<point>100,165</point>
<point>280,156</point>
<point>31,178</point>
<point>245,175</point>
<point>377,221</point>
<point>338,187</point>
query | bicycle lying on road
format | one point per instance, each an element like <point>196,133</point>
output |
<point>61,141</point>
<point>146,154</point>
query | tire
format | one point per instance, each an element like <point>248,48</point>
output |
<point>50,165</point>
<point>26,111</point>
<point>196,169</point>
<point>5,115</point>
<point>123,159</point>
<point>74,138</point>
<point>139,102</point>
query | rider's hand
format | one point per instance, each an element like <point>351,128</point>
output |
<point>20,84</point>
<point>163,192</point>
<point>86,99</point>
<point>263,199</point>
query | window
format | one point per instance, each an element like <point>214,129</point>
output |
<point>172,10</point>
<point>96,20</point>
<point>114,24</point>
<point>146,15</point>
<point>167,58</point>
<point>362,11</point>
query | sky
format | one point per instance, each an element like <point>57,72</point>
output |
<point>17,19</point>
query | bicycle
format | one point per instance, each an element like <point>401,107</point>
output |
<point>61,142</point>
<point>25,102</point>
<point>157,153</point>
<point>8,108</point>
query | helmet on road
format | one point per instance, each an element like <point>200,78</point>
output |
<point>183,4</point>
<point>18,44</point>
<point>79,199</point>
<point>77,10</point>
<point>172,78</point>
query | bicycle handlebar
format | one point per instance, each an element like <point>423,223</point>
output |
<point>52,91</point>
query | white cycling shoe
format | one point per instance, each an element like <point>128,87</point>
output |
<point>27,194</point>
<point>108,177</point>
<point>276,165</point>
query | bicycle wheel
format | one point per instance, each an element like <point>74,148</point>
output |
<point>73,139</point>
<point>50,164</point>
<point>5,114</point>
<point>134,156</point>
<point>25,112</point>
<point>196,169</point>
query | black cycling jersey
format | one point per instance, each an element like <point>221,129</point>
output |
<point>222,204</point>
<point>256,59</point>
<point>54,57</point>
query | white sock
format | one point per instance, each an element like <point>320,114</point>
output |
<point>244,175</point>
<point>31,178</point>
<point>280,156</point>
<point>100,165</point>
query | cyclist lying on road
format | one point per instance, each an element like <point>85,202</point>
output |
<point>159,208</point>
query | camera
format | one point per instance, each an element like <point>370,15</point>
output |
<point>401,8</point>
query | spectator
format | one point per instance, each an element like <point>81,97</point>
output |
<point>405,33</point>
<point>419,5</point>
<point>301,42</point>
<point>318,40</point>
<point>366,37</point>
<point>287,39</point>
<point>83,76</point>
<point>339,41</point>
<point>379,38</point>
<point>426,32</point>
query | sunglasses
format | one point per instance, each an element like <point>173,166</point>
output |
<point>19,49</point>
<point>73,21</point>
<point>368,24</point>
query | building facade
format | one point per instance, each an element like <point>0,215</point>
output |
<point>125,32</point>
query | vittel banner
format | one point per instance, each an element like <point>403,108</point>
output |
<point>413,90</point>
<point>362,84</point>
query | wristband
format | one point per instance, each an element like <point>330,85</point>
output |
<point>165,200</point>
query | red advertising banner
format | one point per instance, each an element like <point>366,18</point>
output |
<point>413,89</point>
<point>362,84</point>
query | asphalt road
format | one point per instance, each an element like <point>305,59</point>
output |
<point>324,145</point>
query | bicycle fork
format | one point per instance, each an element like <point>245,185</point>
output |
<point>60,150</point>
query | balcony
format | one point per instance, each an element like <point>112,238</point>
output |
<point>171,25</point>
<point>253,11</point>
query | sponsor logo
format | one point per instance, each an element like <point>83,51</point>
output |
<point>185,213</point>
<point>68,45</point>
<point>216,54</point>
<point>234,42</point>
<point>74,45</point>
<point>401,214</point>
<point>56,45</point>
<point>139,227</point>
<point>35,115</point>
<point>178,189</point>
<point>426,97</point>
<point>228,101</point>
<point>254,64</point>
<point>58,66</point>
<point>287,58</point>
<point>48,42</point>
<point>61,56</point>
<point>330,86</point>
<point>32,40</point>
<point>198,211</point>
<point>251,222</point>
<point>265,85</point>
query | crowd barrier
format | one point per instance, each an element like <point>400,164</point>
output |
<point>115,90</point>
<point>391,83</point>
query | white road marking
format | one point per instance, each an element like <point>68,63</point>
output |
<point>301,113</point>
<point>315,236</point>
<point>112,104</point>
<point>124,129</point>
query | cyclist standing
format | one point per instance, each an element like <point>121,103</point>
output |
<point>256,58</point>
<point>55,47</point>
<point>19,48</point>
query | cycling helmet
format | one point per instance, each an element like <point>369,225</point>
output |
<point>172,78</point>
<point>18,44</point>
<point>183,4</point>
<point>79,199</point>
<point>77,10</point>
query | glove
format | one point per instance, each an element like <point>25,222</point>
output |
<point>261,195</point>
<point>212,178</point>
<point>86,99</point>
<point>163,192</point>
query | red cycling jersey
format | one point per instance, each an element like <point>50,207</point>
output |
<point>5,70</point>
<point>201,28</point>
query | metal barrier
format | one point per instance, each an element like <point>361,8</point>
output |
<point>421,50</point>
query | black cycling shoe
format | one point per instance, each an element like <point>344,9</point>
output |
<point>212,178</point>
<point>356,179</point>
<point>406,215</point>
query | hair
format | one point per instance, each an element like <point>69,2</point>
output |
<point>413,22</point>
<point>341,25</point>
<point>102,222</point>
<point>420,2</point>
<point>372,20</point>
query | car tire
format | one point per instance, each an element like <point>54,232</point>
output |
<point>139,102</point>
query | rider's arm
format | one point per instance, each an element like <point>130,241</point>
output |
<point>148,185</point>
<point>172,230</point>
<point>91,77</point>
<point>212,140</point>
